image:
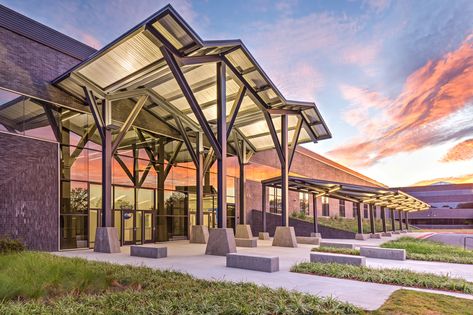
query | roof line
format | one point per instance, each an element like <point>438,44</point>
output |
<point>27,27</point>
<point>327,161</point>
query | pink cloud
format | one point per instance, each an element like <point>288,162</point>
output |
<point>460,152</point>
<point>419,116</point>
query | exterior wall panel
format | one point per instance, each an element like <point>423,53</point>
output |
<point>29,191</point>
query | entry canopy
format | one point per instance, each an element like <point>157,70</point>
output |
<point>378,196</point>
<point>145,60</point>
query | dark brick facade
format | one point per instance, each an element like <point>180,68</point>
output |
<point>29,191</point>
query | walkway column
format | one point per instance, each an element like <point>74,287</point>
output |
<point>106,237</point>
<point>383,218</point>
<point>107,178</point>
<point>222,140</point>
<point>399,214</point>
<point>199,232</point>
<point>284,172</point>
<point>285,235</point>
<point>199,181</point>
<point>359,236</point>
<point>359,218</point>
<point>316,232</point>
<point>263,235</point>
<point>242,201</point>
<point>393,221</point>
<point>372,227</point>
<point>161,218</point>
<point>221,240</point>
<point>406,217</point>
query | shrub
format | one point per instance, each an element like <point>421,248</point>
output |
<point>401,277</point>
<point>8,245</point>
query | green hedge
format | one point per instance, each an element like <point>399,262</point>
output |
<point>400,277</point>
<point>421,249</point>
<point>8,245</point>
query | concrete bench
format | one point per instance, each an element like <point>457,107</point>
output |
<point>337,245</point>
<point>253,262</point>
<point>383,253</point>
<point>337,258</point>
<point>246,242</point>
<point>148,251</point>
<point>308,240</point>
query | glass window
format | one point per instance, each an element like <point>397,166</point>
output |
<point>325,207</point>
<point>342,208</point>
<point>95,196</point>
<point>75,197</point>
<point>145,199</point>
<point>275,203</point>
<point>365,211</point>
<point>73,231</point>
<point>304,202</point>
<point>124,198</point>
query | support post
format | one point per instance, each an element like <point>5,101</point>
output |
<point>406,218</point>
<point>314,209</point>
<point>399,214</point>
<point>393,221</point>
<point>383,219</point>
<point>199,181</point>
<point>284,171</point>
<point>222,141</point>
<point>161,219</point>
<point>372,219</point>
<point>242,185</point>
<point>107,178</point>
<point>359,219</point>
<point>263,207</point>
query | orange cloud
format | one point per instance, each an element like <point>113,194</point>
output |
<point>461,151</point>
<point>452,180</point>
<point>420,116</point>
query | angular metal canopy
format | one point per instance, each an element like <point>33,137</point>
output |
<point>162,57</point>
<point>389,198</point>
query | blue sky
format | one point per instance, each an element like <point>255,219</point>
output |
<point>394,79</point>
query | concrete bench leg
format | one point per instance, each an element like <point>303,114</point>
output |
<point>285,236</point>
<point>263,236</point>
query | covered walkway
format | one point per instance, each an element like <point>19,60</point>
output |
<point>392,199</point>
<point>160,83</point>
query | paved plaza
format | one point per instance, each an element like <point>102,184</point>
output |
<point>190,258</point>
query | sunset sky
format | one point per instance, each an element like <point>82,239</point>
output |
<point>393,79</point>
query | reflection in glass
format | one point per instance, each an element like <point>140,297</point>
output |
<point>73,229</point>
<point>95,196</point>
<point>124,198</point>
<point>74,197</point>
<point>145,199</point>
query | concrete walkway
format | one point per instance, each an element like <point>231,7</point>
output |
<point>190,258</point>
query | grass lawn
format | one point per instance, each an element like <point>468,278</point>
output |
<point>40,283</point>
<point>401,277</point>
<point>411,302</point>
<point>421,249</point>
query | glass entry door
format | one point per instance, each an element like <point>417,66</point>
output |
<point>137,227</point>
<point>148,226</point>
<point>128,227</point>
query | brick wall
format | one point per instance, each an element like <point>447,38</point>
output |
<point>29,191</point>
